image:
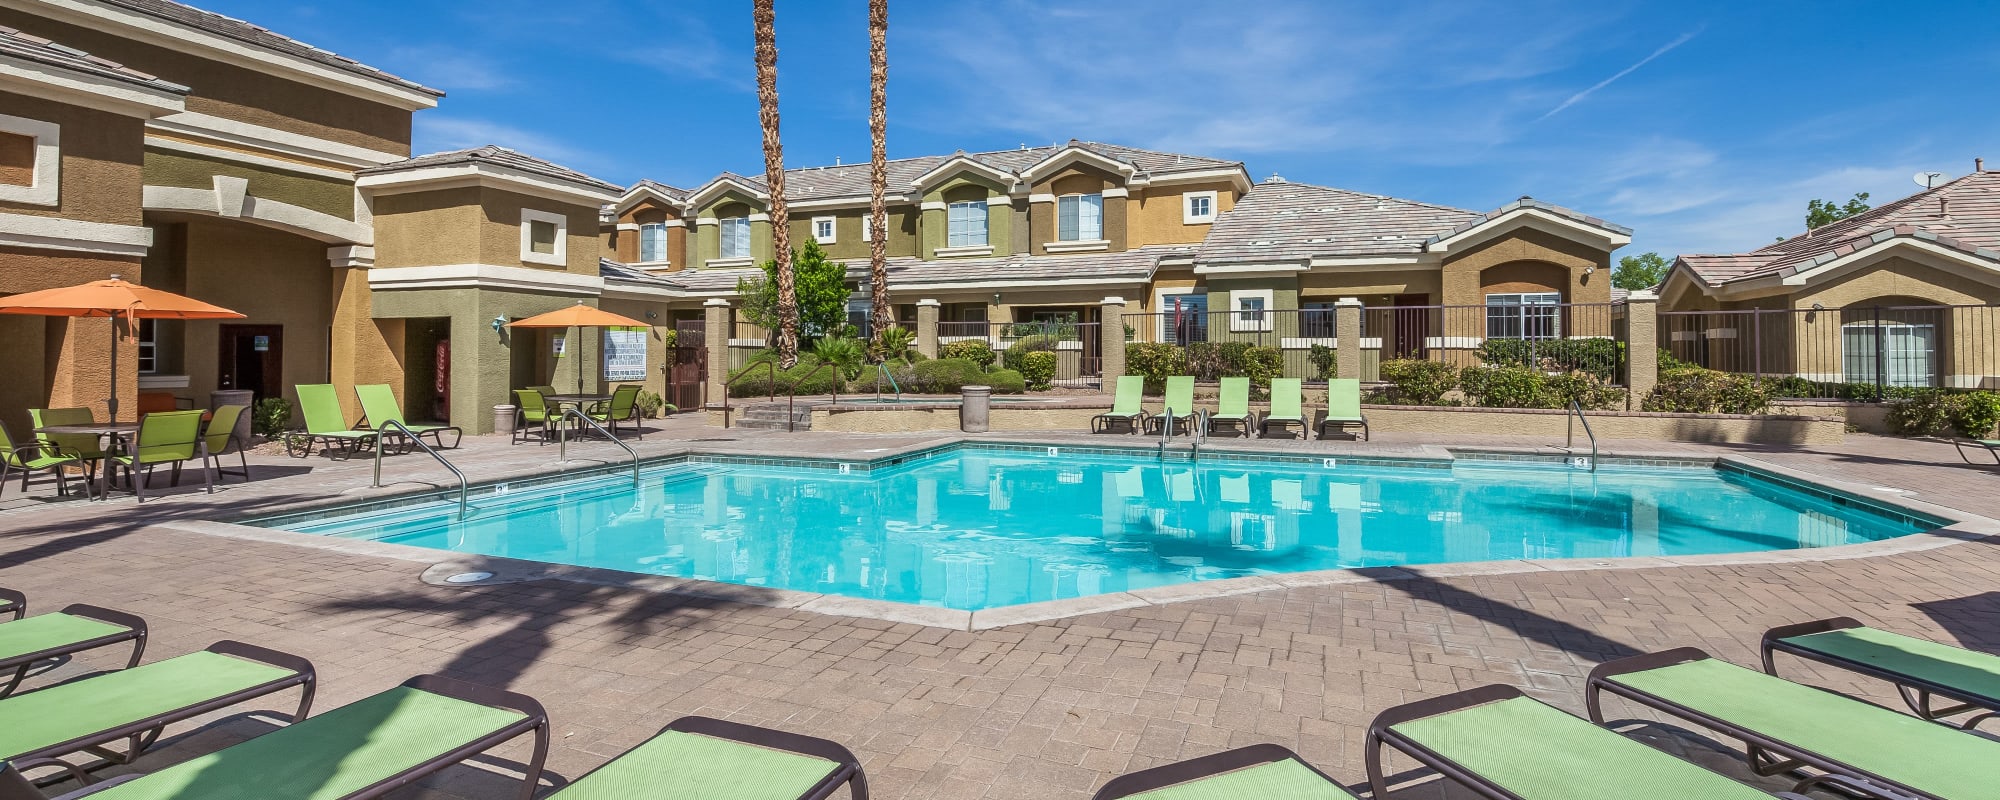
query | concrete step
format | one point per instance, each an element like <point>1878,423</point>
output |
<point>771,425</point>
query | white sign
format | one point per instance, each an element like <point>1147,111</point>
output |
<point>624,355</point>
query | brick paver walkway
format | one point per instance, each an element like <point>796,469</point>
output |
<point>1046,710</point>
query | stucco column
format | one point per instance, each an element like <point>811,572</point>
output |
<point>927,327</point>
<point>718,323</point>
<point>1111,340</point>
<point>1347,333</point>
<point>1642,345</point>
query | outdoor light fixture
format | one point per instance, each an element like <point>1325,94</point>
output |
<point>652,315</point>
<point>1818,307</point>
<point>996,298</point>
<point>498,323</point>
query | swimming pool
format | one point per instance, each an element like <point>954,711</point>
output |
<point>975,527</point>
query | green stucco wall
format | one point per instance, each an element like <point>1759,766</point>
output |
<point>182,170</point>
<point>487,366</point>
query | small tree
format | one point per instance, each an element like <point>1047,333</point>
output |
<point>1643,271</point>
<point>1823,212</point>
<point>820,286</point>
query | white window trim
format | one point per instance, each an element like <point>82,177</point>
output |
<point>46,189</point>
<point>1163,307</point>
<point>968,250</point>
<point>832,229</point>
<point>641,232</point>
<point>1084,246</point>
<point>868,227</point>
<point>1236,320</point>
<point>986,225</point>
<point>1188,217</point>
<point>722,233</point>
<point>560,258</point>
<point>1079,219</point>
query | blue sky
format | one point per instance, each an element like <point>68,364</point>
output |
<point>1705,126</point>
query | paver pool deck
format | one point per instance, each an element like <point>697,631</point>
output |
<point>1047,709</point>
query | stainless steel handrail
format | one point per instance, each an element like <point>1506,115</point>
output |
<point>792,392</point>
<point>882,369</point>
<point>1166,430</point>
<point>1569,433</point>
<point>412,437</point>
<point>562,439</point>
<point>769,368</point>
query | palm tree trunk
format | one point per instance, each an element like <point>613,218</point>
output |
<point>878,169</point>
<point>774,178</point>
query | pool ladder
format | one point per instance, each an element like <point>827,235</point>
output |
<point>882,371</point>
<point>1569,436</point>
<point>1198,430</point>
<point>412,439</point>
<point>562,437</point>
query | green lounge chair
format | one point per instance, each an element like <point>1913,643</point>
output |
<point>25,642</point>
<point>698,757</point>
<point>13,602</point>
<point>1232,407</point>
<point>532,410</point>
<point>220,439</point>
<point>1287,406</point>
<point>622,407</point>
<point>137,704</point>
<point>379,407</point>
<point>1178,406</point>
<point>165,437</point>
<point>1127,406</point>
<point>325,425</point>
<point>1343,407</point>
<point>1921,669</point>
<point>364,749</point>
<point>86,446</point>
<point>30,457</point>
<point>1788,727</point>
<point>1991,446</point>
<point>1257,771</point>
<point>1502,744</point>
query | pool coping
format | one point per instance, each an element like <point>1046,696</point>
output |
<point>1955,527</point>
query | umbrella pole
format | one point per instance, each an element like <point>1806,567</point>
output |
<point>576,352</point>
<point>111,403</point>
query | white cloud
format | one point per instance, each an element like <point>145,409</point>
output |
<point>437,132</point>
<point>450,69</point>
<point>1579,96</point>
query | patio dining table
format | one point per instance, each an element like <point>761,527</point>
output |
<point>117,432</point>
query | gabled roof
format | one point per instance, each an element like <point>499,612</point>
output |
<point>493,155</point>
<point>1279,221</point>
<point>649,189</point>
<point>249,33</point>
<point>1531,204</point>
<point>43,51</point>
<point>1961,215</point>
<point>754,186</point>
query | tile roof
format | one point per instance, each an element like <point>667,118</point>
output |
<point>670,191</point>
<point>37,49</point>
<point>1537,205</point>
<point>1963,215</point>
<point>607,268</point>
<point>851,180</point>
<point>1132,265</point>
<point>250,33</point>
<point>497,156</point>
<point>1282,221</point>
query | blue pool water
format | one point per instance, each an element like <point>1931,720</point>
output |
<point>973,528</point>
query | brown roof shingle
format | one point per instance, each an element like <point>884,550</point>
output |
<point>851,180</point>
<point>497,156</point>
<point>251,33</point>
<point>1283,221</point>
<point>1963,215</point>
<point>43,51</point>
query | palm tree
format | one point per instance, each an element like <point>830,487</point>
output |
<point>774,180</point>
<point>878,169</point>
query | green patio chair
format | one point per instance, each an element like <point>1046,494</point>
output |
<point>325,425</point>
<point>1257,771</point>
<point>1502,743</point>
<point>220,439</point>
<point>1835,741</point>
<point>25,642</point>
<point>30,457</point>
<point>1127,406</point>
<point>379,406</point>
<point>531,409</point>
<point>1232,407</point>
<point>1343,407</point>
<point>622,407</point>
<point>86,446</point>
<point>1177,407</point>
<point>710,758</point>
<point>1990,446</point>
<point>1921,669</point>
<point>363,749</point>
<point>165,437</point>
<point>1287,406</point>
<point>545,390</point>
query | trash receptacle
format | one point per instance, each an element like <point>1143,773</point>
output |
<point>503,419</point>
<point>974,407</point>
<point>236,397</point>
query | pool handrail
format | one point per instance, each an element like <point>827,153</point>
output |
<point>769,367</point>
<point>562,440</point>
<point>882,370</point>
<point>792,392</point>
<point>410,437</point>
<point>1569,433</point>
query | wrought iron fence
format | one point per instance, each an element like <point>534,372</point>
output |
<point>1078,348</point>
<point>1200,337</point>
<point>1852,353</point>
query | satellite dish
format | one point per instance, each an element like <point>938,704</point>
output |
<point>1928,180</point>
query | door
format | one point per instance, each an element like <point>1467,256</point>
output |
<point>687,374</point>
<point>252,357</point>
<point>1411,327</point>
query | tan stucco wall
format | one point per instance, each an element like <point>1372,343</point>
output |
<point>1076,179</point>
<point>425,229</point>
<point>36,352</point>
<point>364,350</point>
<point>237,93</point>
<point>623,246</point>
<point>101,156</point>
<point>272,277</point>
<point>487,366</point>
<point>1155,215</point>
<point>322,194</point>
<point>1463,271</point>
<point>1608,425</point>
<point>1373,287</point>
<point>500,230</point>
<point>1900,277</point>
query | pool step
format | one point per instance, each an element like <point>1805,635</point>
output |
<point>771,417</point>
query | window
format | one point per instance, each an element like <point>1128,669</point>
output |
<point>542,235</point>
<point>149,350</point>
<point>1197,208</point>
<point>1184,317</point>
<point>735,237</point>
<point>868,227</point>
<point>1908,353</point>
<point>653,242</point>
<point>30,157</point>
<point>967,224</point>
<point>1080,218</point>
<point>1248,309</point>
<point>1316,320</point>
<point>823,230</point>
<point>1532,315</point>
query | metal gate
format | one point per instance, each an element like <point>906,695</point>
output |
<point>687,366</point>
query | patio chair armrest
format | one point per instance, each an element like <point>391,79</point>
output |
<point>101,614</point>
<point>46,449</point>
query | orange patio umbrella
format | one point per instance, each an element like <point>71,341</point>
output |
<point>116,299</point>
<point>578,316</point>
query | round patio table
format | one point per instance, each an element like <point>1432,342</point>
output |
<point>117,432</point>
<point>581,401</point>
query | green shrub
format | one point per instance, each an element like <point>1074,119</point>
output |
<point>1419,382</point>
<point>1599,357</point>
<point>947,375</point>
<point>1506,387</point>
<point>758,382</point>
<point>1693,390</point>
<point>1029,344</point>
<point>271,417</point>
<point>845,353</point>
<point>1976,415</point>
<point>1325,361</point>
<point>1936,412</point>
<point>1037,368</point>
<point>1006,381</point>
<point>1155,361</point>
<point>975,350</point>
<point>649,403</point>
<point>1586,390</point>
<point>893,345</point>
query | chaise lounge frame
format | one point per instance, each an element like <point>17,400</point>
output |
<point>1208,766</point>
<point>135,632</point>
<point>1916,691</point>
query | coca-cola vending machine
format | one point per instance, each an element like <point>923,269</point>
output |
<point>441,392</point>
